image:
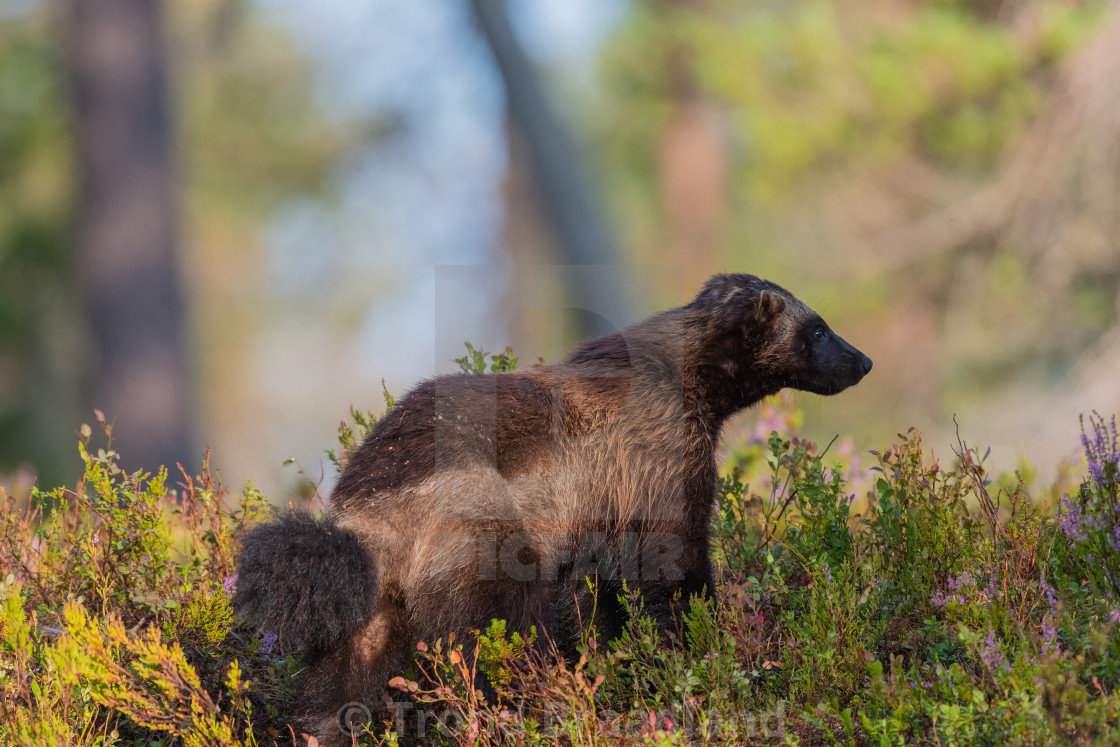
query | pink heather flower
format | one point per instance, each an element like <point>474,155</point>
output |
<point>1073,520</point>
<point>1103,450</point>
<point>965,588</point>
<point>229,586</point>
<point>992,653</point>
<point>1049,635</point>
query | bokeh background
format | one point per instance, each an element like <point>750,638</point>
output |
<point>223,222</point>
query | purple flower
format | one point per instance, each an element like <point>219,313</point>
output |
<point>1102,451</point>
<point>1050,600</point>
<point>268,640</point>
<point>229,586</point>
<point>1049,635</point>
<point>1072,519</point>
<point>991,653</point>
<point>991,591</point>
<point>965,588</point>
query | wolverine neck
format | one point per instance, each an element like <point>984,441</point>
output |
<point>679,350</point>
<point>718,382</point>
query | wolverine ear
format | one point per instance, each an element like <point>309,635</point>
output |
<point>768,307</point>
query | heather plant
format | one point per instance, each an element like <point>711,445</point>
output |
<point>1090,520</point>
<point>938,609</point>
<point>905,600</point>
<point>116,623</point>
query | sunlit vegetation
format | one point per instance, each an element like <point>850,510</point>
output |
<point>891,599</point>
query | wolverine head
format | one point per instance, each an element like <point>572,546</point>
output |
<point>771,340</point>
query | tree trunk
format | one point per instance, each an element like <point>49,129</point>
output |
<point>581,234</point>
<point>127,228</point>
<point>692,161</point>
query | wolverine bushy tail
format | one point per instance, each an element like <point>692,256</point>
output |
<point>307,580</point>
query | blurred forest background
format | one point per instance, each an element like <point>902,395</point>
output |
<point>224,221</point>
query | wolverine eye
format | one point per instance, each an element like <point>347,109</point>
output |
<point>820,334</point>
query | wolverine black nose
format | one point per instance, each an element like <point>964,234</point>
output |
<point>866,364</point>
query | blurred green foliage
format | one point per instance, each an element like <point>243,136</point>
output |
<point>808,83</point>
<point>249,136</point>
<point>846,136</point>
<point>35,276</point>
<point>825,109</point>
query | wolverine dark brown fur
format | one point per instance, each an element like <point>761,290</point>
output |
<point>483,497</point>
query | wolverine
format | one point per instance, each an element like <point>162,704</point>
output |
<point>497,496</point>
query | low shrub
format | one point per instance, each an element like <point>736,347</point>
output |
<point>900,602</point>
